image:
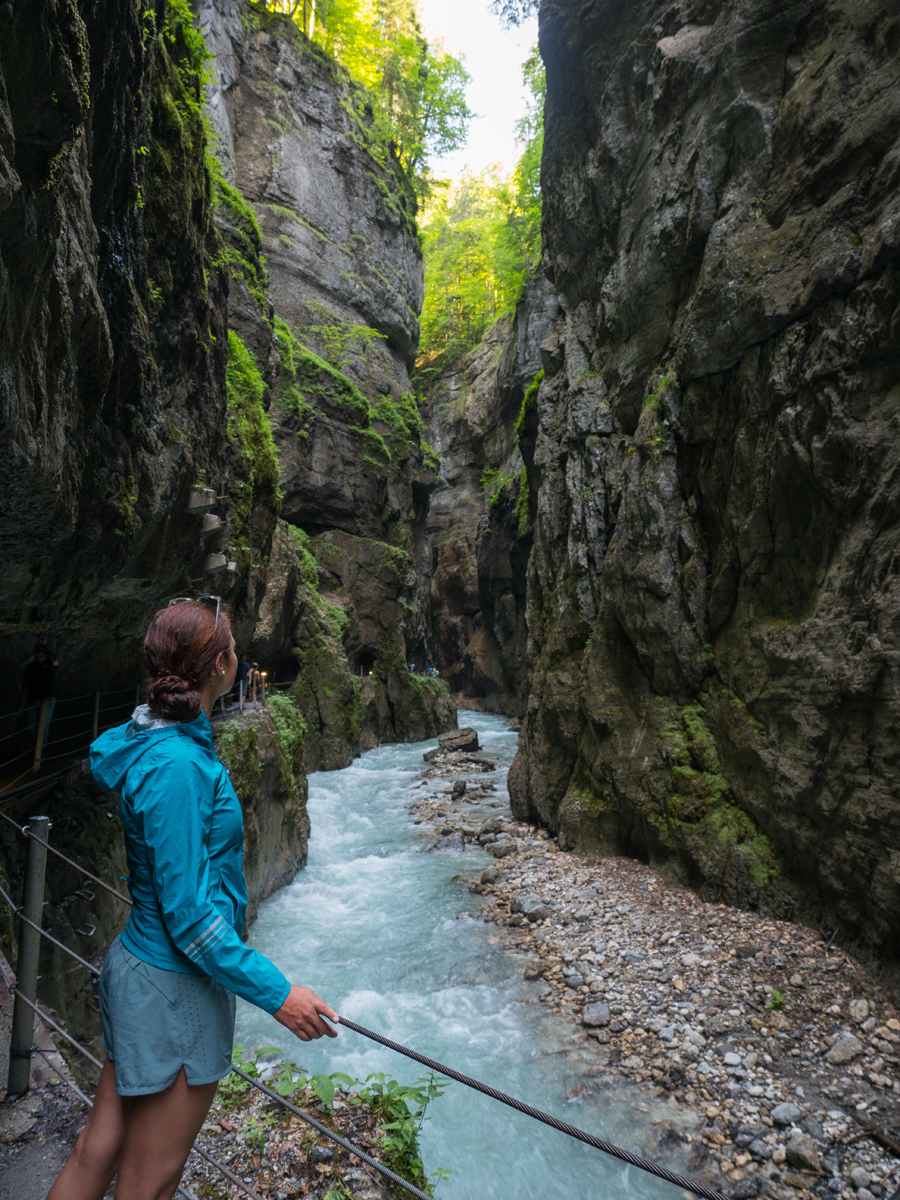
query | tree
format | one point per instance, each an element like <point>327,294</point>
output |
<point>417,92</point>
<point>514,12</point>
<point>482,239</point>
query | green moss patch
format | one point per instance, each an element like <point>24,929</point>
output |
<point>291,730</point>
<point>701,801</point>
<point>249,431</point>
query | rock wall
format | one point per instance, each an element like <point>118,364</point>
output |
<point>112,333</point>
<point>712,594</point>
<point>478,522</point>
<point>344,274</point>
<point>147,348</point>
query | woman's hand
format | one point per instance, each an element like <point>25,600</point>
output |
<point>300,1014</point>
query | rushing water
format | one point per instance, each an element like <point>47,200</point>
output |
<point>382,931</point>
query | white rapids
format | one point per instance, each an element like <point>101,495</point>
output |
<point>383,931</point>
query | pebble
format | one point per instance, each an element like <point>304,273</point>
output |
<point>596,1015</point>
<point>845,1049</point>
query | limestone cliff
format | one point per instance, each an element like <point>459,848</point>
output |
<point>148,352</point>
<point>479,519</point>
<point>343,604</point>
<point>712,594</point>
<point>112,332</point>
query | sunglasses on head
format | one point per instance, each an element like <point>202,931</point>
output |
<point>208,602</point>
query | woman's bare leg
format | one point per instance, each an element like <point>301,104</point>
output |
<point>159,1132</point>
<point>95,1159</point>
<point>145,1140</point>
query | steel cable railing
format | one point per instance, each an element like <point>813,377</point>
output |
<point>95,972</point>
<point>24,830</point>
<point>335,1137</point>
<point>92,727</point>
<point>634,1160</point>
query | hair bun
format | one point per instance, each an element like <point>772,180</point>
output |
<point>173,696</point>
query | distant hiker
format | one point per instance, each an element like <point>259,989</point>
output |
<point>169,980</point>
<point>242,679</point>
<point>38,686</point>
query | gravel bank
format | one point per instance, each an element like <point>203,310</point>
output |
<point>780,1045</point>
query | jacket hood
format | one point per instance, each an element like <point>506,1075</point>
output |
<point>115,752</point>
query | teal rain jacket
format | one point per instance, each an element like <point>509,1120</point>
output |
<point>184,838</point>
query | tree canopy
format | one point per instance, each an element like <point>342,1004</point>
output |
<point>417,91</point>
<point>482,239</point>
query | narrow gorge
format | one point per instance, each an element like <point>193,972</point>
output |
<point>651,516</point>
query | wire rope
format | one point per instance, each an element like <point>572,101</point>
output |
<point>48,1020</point>
<point>634,1160</point>
<point>335,1137</point>
<point>49,936</point>
<point>125,899</point>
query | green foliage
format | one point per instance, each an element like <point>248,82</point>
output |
<point>243,249</point>
<point>401,1109</point>
<point>179,23</point>
<point>290,725</point>
<point>776,1000</point>
<point>330,384</point>
<point>522,504</point>
<point>337,619</point>
<point>343,342</point>
<point>482,241</point>
<point>249,431</point>
<point>307,560</point>
<point>492,483</point>
<point>528,411</point>
<point>667,380</point>
<point>402,421</point>
<point>288,395</point>
<point>412,101</point>
<point>702,798</point>
<point>495,482</point>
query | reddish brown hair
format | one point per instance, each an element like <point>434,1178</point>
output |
<point>182,645</point>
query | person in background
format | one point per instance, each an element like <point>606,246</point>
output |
<point>243,677</point>
<point>39,685</point>
<point>168,985</point>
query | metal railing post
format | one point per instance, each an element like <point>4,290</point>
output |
<point>241,694</point>
<point>96,716</point>
<point>22,1036</point>
<point>39,744</point>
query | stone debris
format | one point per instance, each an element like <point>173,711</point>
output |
<point>779,1042</point>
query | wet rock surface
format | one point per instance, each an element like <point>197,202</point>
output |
<point>713,675</point>
<point>477,522</point>
<point>731,1016</point>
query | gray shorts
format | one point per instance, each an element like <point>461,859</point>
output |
<point>156,1021</point>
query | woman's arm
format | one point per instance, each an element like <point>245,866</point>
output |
<point>174,802</point>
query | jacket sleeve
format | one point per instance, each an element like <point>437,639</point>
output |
<point>175,800</point>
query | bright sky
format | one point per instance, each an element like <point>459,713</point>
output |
<point>493,57</point>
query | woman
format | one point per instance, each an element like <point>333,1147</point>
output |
<point>169,980</point>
